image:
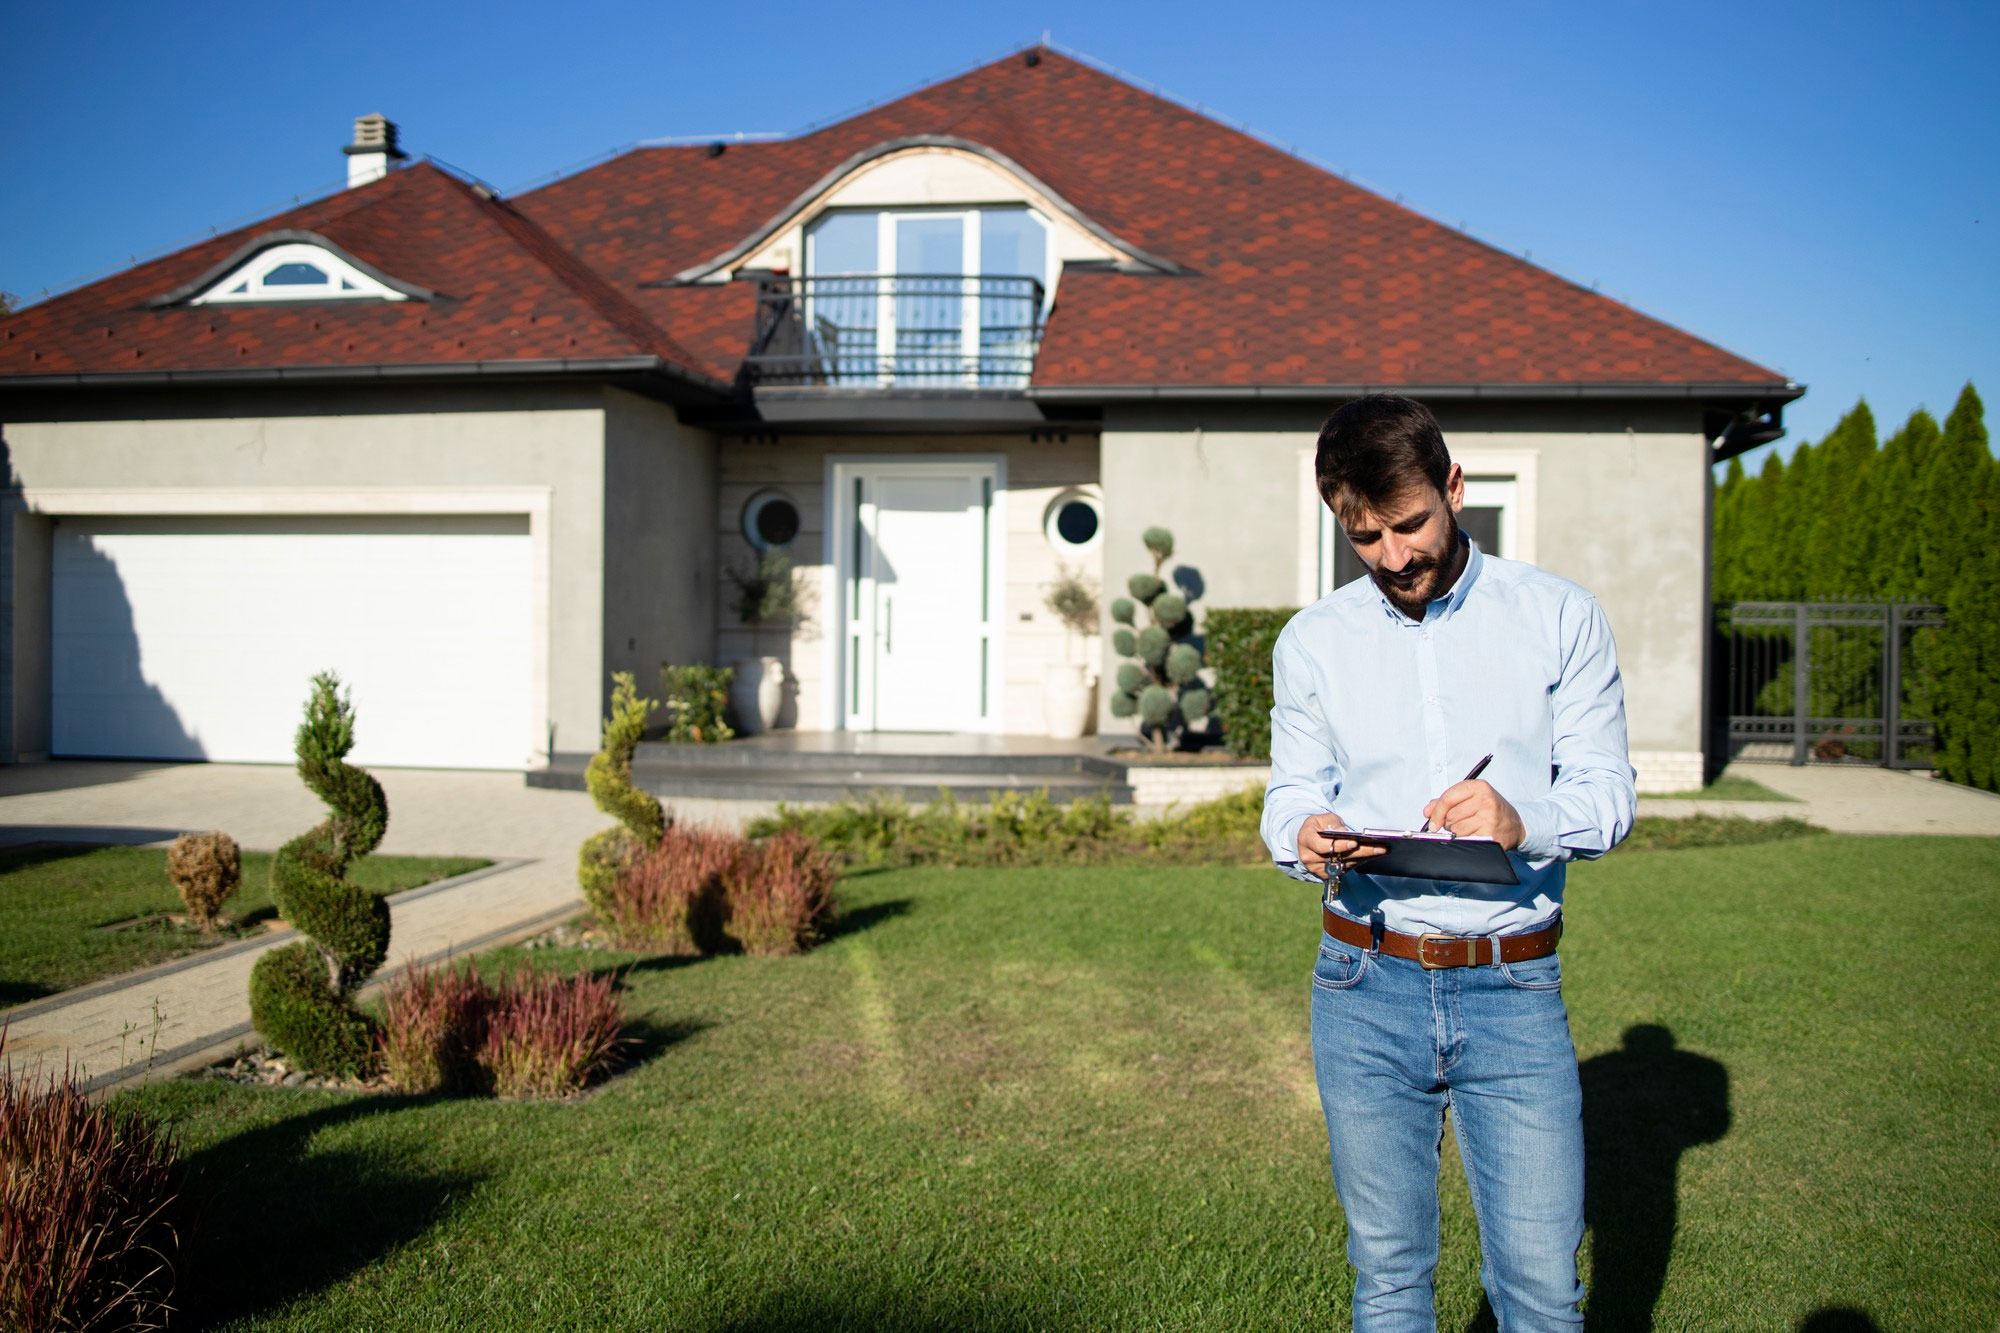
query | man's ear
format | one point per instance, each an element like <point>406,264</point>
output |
<point>1454,488</point>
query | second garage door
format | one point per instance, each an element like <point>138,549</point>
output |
<point>198,638</point>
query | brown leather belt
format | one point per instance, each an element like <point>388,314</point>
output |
<point>1433,951</point>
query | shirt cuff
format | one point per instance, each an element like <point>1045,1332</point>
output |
<point>1538,840</point>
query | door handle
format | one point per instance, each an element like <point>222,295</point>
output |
<point>888,624</point>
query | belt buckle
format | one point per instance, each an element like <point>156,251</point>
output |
<point>1424,941</point>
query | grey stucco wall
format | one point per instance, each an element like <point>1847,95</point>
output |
<point>659,548</point>
<point>348,440</point>
<point>1620,507</point>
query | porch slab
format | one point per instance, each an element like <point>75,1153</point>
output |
<point>811,767</point>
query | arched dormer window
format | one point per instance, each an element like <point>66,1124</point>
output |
<point>296,271</point>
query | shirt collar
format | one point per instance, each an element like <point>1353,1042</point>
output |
<point>1445,606</point>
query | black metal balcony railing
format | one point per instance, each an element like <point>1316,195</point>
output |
<point>903,330</point>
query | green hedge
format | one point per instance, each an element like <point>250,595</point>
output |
<point>1240,641</point>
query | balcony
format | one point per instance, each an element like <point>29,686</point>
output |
<point>897,331</point>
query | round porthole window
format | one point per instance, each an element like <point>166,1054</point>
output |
<point>770,519</point>
<point>1073,522</point>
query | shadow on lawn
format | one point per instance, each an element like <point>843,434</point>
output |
<point>274,1219</point>
<point>20,992</point>
<point>856,920</point>
<point>1643,1106</point>
<point>817,1310</point>
<point>1839,1319</point>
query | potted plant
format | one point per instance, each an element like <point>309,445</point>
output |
<point>766,595</point>
<point>1067,703</point>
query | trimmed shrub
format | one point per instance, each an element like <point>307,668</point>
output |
<point>780,894</point>
<point>301,995</point>
<point>697,697</point>
<point>548,1036</point>
<point>641,818</point>
<point>1240,644</point>
<point>670,899</point>
<point>434,1027</point>
<point>1024,829</point>
<point>1168,664</point>
<point>85,1239</point>
<point>205,869</point>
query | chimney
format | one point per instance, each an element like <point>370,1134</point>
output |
<point>373,152</point>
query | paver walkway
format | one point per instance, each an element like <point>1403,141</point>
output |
<point>1853,800</point>
<point>153,1020</point>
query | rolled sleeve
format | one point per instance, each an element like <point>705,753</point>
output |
<point>1305,772</point>
<point>1592,801</point>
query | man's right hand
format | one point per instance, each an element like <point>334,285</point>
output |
<point>1319,842</point>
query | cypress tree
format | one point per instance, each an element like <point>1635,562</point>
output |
<point>1959,494</point>
<point>1834,535</point>
<point>1797,502</point>
<point>1726,559</point>
<point>1948,505</point>
<point>1758,565</point>
<point>1894,505</point>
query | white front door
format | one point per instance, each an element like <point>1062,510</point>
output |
<point>919,567</point>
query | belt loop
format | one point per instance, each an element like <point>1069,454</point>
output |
<point>1376,925</point>
<point>1496,949</point>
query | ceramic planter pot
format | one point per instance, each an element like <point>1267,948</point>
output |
<point>1067,704</point>
<point>757,692</point>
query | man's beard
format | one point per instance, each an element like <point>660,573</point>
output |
<point>1414,591</point>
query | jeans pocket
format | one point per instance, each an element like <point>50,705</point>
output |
<point>1338,967</point>
<point>1544,973</point>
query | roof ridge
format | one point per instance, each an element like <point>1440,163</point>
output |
<point>581,278</point>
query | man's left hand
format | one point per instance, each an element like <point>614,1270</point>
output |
<point>1474,810</point>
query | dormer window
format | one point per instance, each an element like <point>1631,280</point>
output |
<point>296,271</point>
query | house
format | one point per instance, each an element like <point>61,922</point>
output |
<point>477,453</point>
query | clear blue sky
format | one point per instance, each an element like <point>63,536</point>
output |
<point>1810,185</point>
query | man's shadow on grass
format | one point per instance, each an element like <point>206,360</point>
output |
<point>267,1219</point>
<point>1643,1106</point>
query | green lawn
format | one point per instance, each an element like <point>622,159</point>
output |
<point>1082,1098</point>
<point>55,899</point>
<point>1731,788</point>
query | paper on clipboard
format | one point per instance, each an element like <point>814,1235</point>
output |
<point>1414,855</point>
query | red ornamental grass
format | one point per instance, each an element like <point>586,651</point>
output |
<point>434,1023</point>
<point>84,1240</point>
<point>669,900</point>
<point>781,894</point>
<point>548,1035</point>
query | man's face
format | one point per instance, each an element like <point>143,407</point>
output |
<point>1409,544</point>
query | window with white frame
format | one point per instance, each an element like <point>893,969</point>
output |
<point>296,271</point>
<point>943,295</point>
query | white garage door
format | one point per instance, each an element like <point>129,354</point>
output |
<point>194,638</point>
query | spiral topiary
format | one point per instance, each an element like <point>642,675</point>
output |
<point>1162,685</point>
<point>641,818</point>
<point>301,996</point>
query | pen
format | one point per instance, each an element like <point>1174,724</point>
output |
<point>1477,769</point>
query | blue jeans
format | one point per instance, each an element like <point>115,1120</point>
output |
<point>1394,1045</point>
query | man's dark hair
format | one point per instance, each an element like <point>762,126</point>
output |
<point>1375,449</point>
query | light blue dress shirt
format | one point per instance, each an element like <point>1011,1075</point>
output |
<point>1376,714</point>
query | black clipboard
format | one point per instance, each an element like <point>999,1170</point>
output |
<point>1432,856</point>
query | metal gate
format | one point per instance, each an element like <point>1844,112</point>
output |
<point>1827,682</point>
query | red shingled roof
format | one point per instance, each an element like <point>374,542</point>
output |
<point>505,292</point>
<point>1297,276</point>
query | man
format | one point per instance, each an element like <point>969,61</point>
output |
<point>1430,995</point>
